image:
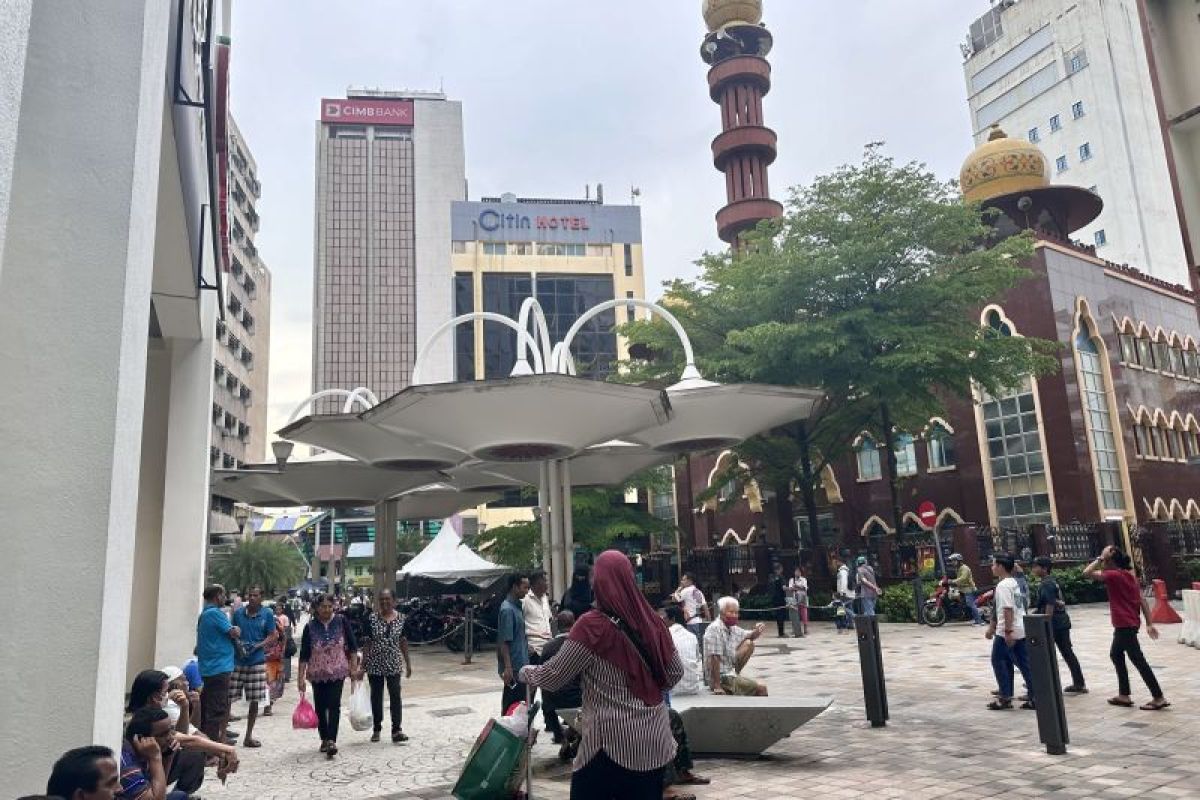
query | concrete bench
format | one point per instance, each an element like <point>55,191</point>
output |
<point>724,725</point>
<point>1190,634</point>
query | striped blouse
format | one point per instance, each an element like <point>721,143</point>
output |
<point>634,735</point>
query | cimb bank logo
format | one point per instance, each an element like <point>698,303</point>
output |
<point>333,110</point>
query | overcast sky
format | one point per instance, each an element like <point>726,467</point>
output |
<point>559,94</point>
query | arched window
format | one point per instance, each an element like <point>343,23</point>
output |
<point>940,444</point>
<point>1101,437</point>
<point>906,455</point>
<point>868,460</point>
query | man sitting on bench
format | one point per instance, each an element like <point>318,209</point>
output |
<point>727,649</point>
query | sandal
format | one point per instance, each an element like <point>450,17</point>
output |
<point>693,780</point>
<point>1154,705</point>
<point>1116,701</point>
<point>999,704</point>
<point>332,751</point>
<point>1027,705</point>
<point>251,743</point>
<point>375,736</point>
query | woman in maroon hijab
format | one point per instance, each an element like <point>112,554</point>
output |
<point>624,655</point>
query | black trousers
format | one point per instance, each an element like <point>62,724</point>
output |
<point>187,771</point>
<point>780,618</point>
<point>327,700</point>
<point>683,754</point>
<point>510,695</point>
<point>604,779</point>
<point>214,705</point>
<point>393,687</point>
<point>1125,642</point>
<point>549,715</point>
<point>1062,638</point>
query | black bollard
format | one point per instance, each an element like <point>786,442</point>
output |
<point>870,659</point>
<point>918,587</point>
<point>1047,688</point>
<point>470,635</point>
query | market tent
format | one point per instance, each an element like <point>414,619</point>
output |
<point>447,560</point>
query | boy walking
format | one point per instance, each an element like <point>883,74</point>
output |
<point>1050,602</point>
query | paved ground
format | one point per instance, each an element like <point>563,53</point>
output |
<point>940,742</point>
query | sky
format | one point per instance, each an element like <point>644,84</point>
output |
<point>561,94</point>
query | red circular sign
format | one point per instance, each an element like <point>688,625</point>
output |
<point>927,513</point>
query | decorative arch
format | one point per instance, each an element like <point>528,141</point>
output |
<point>1140,415</point>
<point>863,436</point>
<point>1160,334</point>
<point>993,316</point>
<point>750,491</point>
<point>1190,423</point>
<point>829,482</point>
<point>1177,422</point>
<point>1143,331</point>
<point>910,516</point>
<point>1193,509</point>
<point>1159,510</point>
<point>1174,339</point>
<point>935,422</point>
<point>731,535</point>
<point>1175,510</point>
<point>1160,416</point>
<point>948,514</point>
<point>871,522</point>
<point>1124,325</point>
<point>1189,343</point>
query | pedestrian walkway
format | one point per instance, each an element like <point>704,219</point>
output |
<point>940,741</point>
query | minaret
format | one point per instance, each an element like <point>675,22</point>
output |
<point>736,48</point>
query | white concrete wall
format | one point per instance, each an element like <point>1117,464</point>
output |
<point>440,176</point>
<point>1128,165</point>
<point>74,303</point>
<point>14,34</point>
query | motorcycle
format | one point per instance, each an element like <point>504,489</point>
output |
<point>422,623</point>
<point>947,603</point>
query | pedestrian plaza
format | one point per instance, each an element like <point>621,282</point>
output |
<point>939,742</point>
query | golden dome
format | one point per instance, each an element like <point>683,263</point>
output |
<point>723,13</point>
<point>1002,166</point>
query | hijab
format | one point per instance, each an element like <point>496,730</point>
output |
<point>623,617</point>
<point>578,598</point>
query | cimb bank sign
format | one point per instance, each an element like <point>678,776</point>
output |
<point>359,111</point>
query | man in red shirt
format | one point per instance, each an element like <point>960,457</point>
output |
<point>1125,602</point>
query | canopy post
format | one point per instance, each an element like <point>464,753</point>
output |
<point>544,518</point>
<point>556,531</point>
<point>385,547</point>
<point>568,564</point>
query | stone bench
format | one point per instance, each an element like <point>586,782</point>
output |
<point>724,725</point>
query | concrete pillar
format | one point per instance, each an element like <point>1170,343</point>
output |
<point>185,493</point>
<point>75,286</point>
<point>14,36</point>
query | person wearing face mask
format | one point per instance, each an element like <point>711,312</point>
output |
<point>727,649</point>
<point>184,765</point>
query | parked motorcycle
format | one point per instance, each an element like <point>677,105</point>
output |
<point>947,603</point>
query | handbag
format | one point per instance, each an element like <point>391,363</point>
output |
<point>289,646</point>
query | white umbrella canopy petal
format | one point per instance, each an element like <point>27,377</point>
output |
<point>351,436</point>
<point>531,418</point>
<point>325,483</point>
<point>604,465</point>
<point>716,416</point>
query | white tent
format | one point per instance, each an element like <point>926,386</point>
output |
<point>446,560</point>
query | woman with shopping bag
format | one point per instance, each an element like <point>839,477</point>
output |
<point>328,655</point>
<point>382,654</point>
<point>624,654</point>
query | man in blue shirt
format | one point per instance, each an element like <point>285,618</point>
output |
<point>512,651</point>
<point>257,626</point>
<point>215,636</point>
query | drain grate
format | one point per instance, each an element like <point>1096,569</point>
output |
<point>452,712</point>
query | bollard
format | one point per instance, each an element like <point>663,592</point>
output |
<point>1047,688</point>
<point>918,587</point>
<point>469,649</point>
<point>870,660</point>
<point>1162,614</point>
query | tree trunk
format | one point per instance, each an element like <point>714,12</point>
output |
<point>808,489</point>
<point>783,517</point>
<point>889,448</point>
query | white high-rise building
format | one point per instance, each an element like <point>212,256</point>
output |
<point>1073,76</point>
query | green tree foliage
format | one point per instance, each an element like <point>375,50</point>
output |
<point>271,564</point>
<point>870,288</point>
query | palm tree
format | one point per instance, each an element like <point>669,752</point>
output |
<point>268,563</point>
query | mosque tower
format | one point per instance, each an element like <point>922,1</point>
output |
<point>740,76</point>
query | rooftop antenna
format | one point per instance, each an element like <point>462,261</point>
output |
<point>634,194</point>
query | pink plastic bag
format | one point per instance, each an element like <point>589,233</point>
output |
<point>305,716</point>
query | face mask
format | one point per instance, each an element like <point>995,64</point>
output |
<point>172,710</point>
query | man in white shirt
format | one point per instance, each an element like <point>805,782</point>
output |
<point>536,608</point>
<point>1009,649</point>
<point>727,649</point>
<point>695,607</point>
<point>689,653</point>
<point>844,597</point>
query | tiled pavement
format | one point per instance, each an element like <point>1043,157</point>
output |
<point>939,742</point>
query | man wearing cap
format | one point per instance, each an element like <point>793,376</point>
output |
<point>964,581</point>
<point>868,589</point>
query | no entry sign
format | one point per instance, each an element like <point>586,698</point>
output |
<point>927,513</point>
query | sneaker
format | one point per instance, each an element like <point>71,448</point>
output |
<point>1075,690</point>
<point>375,736</point>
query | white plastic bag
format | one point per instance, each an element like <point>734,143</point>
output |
<point>361,718</point>
<point>516,723</point>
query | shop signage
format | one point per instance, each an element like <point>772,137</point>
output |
<point>491,220</point>
<point>368,112</point>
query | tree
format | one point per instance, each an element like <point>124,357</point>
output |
<point>870,288</point>
<point>268,563</point>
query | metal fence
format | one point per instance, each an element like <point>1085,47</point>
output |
<point>1184,536</point>
<point>1014,541</point>
<point>1073,542</point>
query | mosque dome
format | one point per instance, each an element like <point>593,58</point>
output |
<point>720,14</point>
<point>1002,166</point>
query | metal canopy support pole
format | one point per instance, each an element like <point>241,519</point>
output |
<point>544,507</point>
<point>556,532</point>
<point>568,515</point>
<point>385,547</point>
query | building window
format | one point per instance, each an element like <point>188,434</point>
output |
<point>1034,135</point>
<point>1175,443</point>
<point>1077,110</point>
<point>520,248</point>
<point>940,444</point>
<point>1095,394</point>
<point>1085,151</point>
<point>495,248</point>
<point>1055,123</point>
<point>1060,163</point>
<point>1141,442</point>
<point>1192,439</point>
<point>1016,458</point>
<point>1100,237</point>
<point>562,249</point>
<point>630,308</point>
<point>868,460</point>
<point>598,250</point>
<point>1191,363</point>
<point>628,261</point>
<point>906,456</point>
<point>1128,348</point>
<point>1077,61</point>
<point>1161,361</point>
<point>1177,367</point>
<point>458,247</point>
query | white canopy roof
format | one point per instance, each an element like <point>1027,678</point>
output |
<point>446,560</point>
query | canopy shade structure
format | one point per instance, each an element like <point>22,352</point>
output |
<point>438,502</point>
<point>715,416</point>
<point>447,560</point>
<point>351,436</point>
<point>530,418</point>
<point>602,465</point>
<point>328,483</point>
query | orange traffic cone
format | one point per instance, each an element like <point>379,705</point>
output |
<point>1162,611</point>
